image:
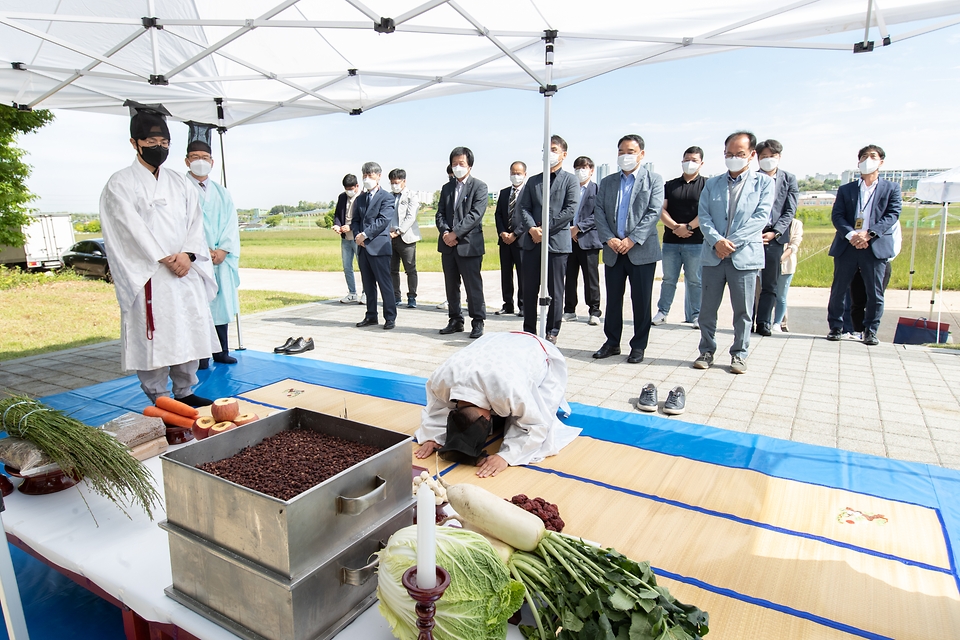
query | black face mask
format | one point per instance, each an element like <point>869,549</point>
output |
<point>154,156</point>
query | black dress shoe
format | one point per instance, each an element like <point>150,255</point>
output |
<point>764,330</point>
<point>454,326</point>
<point>300,346</point>
<point>520,313</point>
<point>286,345</point>
<point>389,324</point>
<point>204,363</point>
<point>366,322</point>
<point>834,335</point>
<point>504,311</point>
<point>223,358</point>
<point>870,338</point>
<point>606,351</point>
<point>636,355</point>
<point>194,401</point>
<point>477,330</point>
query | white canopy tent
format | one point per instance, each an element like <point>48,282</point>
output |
<point>238,62</point>
<point>942,188</point>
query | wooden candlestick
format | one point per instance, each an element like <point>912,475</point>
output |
<point>425,599</point>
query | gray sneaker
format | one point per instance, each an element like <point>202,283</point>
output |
<point>675,402</point>
<point>443,305</point>
<point>737,365</point>
<point>350,298</point>
<point>593,321</point>
<point>569,317</point>
<point>648,398</point>
<point>704,361</point>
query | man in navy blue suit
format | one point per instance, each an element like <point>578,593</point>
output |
<point>372,214</point>
<point>864,215</point>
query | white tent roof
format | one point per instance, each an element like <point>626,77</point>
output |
<point>273,59</point>
<point>943,187</point>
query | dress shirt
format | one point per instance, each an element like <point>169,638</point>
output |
<point>865,202</point>
<point>576,216</point>
<point>623,202</point>
<point>734,189</point>
<point>774,214</point>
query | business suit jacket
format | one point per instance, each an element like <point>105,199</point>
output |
<point>587,237</point>
<point>784,206</point>
<point>406,218</point>
<point>884,213</point>
<point>646,200</point>
<point>372,216</point>
<point>564,198</point>
<point>462,218</point>
<point>340,213</point>
<point>502,216</point>
<point>749,220</point>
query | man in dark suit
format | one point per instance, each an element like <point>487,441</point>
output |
<point>564,196</point>
<point>506,218</point>
<point>865,214</point>
<point>627,210</point>
<point>373,213</point>
<point>776,233</point>
<point>586,245</point>
<point>459,217</point>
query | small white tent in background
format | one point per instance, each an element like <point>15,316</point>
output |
<point>942,188</point>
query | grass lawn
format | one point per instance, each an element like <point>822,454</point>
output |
<point>39,313</point>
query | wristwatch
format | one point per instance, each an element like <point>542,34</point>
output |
<point>689,228</point>
<point>192,256</point>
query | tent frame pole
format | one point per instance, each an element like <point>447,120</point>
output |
<point>940,251</point>
<point>221,129</point>
<point>10,593</point>
<point>548,91</point>
<point>913,252</point>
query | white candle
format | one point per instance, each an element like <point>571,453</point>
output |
<point>426,538</point>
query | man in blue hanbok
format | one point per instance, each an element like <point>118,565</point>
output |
<point>222,233</point>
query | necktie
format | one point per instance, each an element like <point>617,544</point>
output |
<point>203,186</point>
<point>511,208</point>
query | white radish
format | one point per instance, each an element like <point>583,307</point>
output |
<point>501,519</point>
<point>503,550</point>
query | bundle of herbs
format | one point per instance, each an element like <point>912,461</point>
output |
<point>82,451</point>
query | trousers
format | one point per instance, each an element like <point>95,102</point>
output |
<point>588,262</point>
<point>183,376</point>
<point>743,286</point>
<point>406,254</point>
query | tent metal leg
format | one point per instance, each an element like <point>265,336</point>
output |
<point>240,346</point>
<point>548,91</point>
<point>913,252</point>
<point>10,592</point>
<point>941,242</point>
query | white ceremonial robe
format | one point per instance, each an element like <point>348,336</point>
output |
<point>516,375</point>
<point>145,219</point>
<point>222,231</point>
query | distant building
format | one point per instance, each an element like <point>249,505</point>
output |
<point>908,178</point>
<point>849,176</point>
<point>823,177</point>
<point>649,167</point>
<point>816,198</point>
<point>603,171</point>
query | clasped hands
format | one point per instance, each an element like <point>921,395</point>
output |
<point>621,245</point>
<point>860,239</point>
<point>178,263</point>
<point>450,239</point>
<point>217,256</point>
<point>724,248</point>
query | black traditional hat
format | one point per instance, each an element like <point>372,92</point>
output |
<point>147,120</point>
<point>201,135</point>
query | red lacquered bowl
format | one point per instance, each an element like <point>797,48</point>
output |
<point>45,483</point>
<point>179,435</point>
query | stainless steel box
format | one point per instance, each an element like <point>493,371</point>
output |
<point>258,604</point>
<point>291,538</point>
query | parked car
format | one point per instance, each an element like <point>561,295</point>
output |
<point>89,258</point>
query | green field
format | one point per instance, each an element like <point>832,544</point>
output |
<point>319,249</point>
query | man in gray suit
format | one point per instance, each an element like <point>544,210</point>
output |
<point>586,248</point>
<point>564,197</point>
<point>776,233</point>
<point>463,201</point>
<point>626,214</point>
<point>734,209</point>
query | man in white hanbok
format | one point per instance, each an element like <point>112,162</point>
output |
<point>222,232</point>
<point>517,376</point>
<point>153,231</point>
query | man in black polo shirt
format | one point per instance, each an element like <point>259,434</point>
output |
<point>682,239</point>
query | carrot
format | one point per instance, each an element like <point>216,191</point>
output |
<point>177,407</point>
<point>169,418</point>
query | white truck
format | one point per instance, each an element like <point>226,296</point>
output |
<point>48,237</point>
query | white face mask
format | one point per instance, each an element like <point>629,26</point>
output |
<point>516,179</point>
<point>396,187</point>
<point>735,163</point>
<point>554,159</point>
<point>460,171</point>
<point>200,168</point>
<point>351,192</point>
<point>690,167</point>
<point>370,184</point>
<point>627,162</point>
<point>583,174</point>
<point>769,164</point>
<point>869,165</point>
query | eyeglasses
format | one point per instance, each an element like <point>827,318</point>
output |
<point>153,142</point>
<point>742,155</point>
<point>194,156</point>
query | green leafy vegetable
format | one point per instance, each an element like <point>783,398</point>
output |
<point>589,593</point>
<point>476,605</point>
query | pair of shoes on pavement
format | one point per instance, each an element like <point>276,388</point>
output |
<point>372,322</point>
<point>674,405</point>
<point>705,361</point>
<point>606,350</point>
<point>294,346</point>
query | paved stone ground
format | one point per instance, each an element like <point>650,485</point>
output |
<point>889,400</point>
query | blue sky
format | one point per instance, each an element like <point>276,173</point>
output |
<point>822,105</point>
